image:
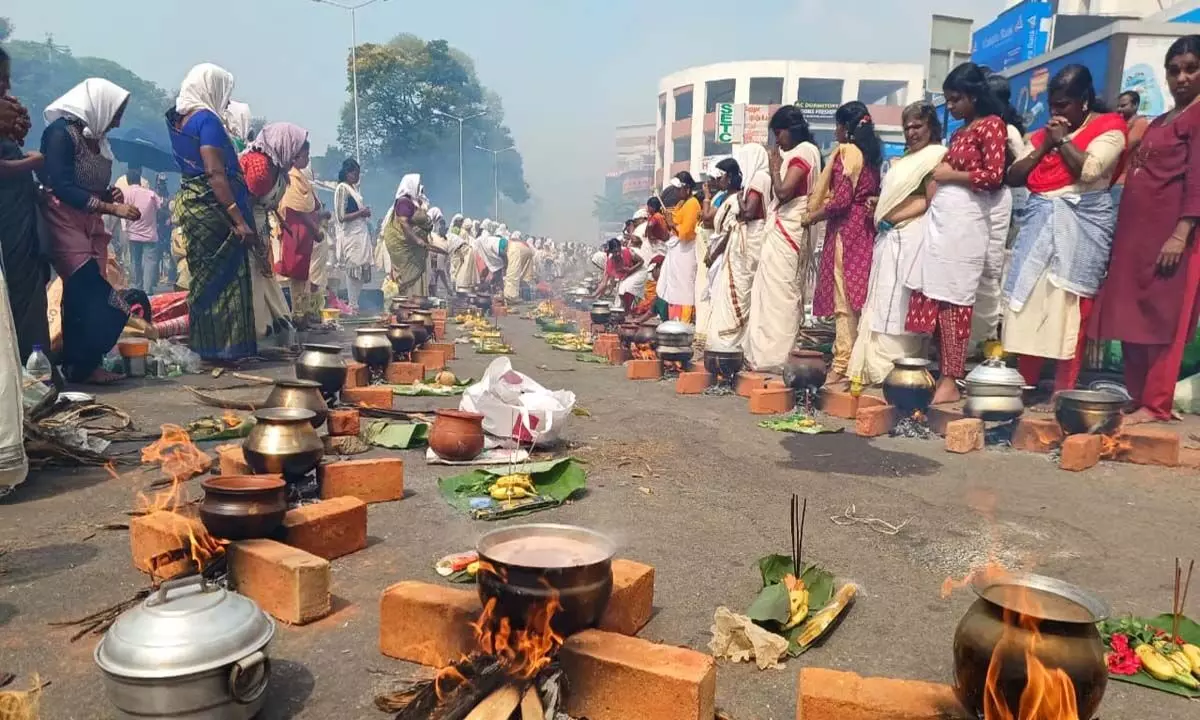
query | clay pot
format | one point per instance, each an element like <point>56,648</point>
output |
<point>241,507</point>
<point>403,339</point>
<point>323,364</point>
<point>283,442</point>
<point>457,435</point>
<point>805,370</point>
<point>304,394</point>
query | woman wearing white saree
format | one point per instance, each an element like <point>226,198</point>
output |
<point>743,220</point>
<point>900,218</point>
<point>351,232</point>
<point>777,296</point>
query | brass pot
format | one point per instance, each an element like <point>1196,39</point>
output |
<point>241,507</point>
<point>304,394</point>
<point>456,435</point>
<point>909,386</point>
<point>1088,412</point>
<point>372,348</point>
<point>403,311</point>
<point>402,338</point>
<point>283,442</point>
<point>1065,618</point>
<point>323,364</point>
<point>804,370</point>
<point>424,319</point>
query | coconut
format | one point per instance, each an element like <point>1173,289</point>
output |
<point>445,378</point>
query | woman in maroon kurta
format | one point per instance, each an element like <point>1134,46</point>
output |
<point>1151,298</point>
<point>848,210</point>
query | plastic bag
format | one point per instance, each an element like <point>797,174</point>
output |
<point>1187,395</point>
<point>515,406</point>
<point>175,358</point>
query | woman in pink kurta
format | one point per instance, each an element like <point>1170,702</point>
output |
<point>1151,298</point>
<point>845,200</point>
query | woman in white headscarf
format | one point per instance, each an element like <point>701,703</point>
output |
<point>77,171</point>
<point>518,267</point>
<point>351,231</point>
<point>742,220</point>
<point>406,235</point>
<point>238,120</point>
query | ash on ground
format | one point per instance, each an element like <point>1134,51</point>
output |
<point>911,427</point>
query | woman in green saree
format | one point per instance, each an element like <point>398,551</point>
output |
<point>406,235</point>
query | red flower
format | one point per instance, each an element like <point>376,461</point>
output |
<point>1122,660</point>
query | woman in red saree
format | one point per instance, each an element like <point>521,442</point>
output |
<point>1151,299</point>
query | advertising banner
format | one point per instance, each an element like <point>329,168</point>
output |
<point>731,123</point>
<point>1017,35</point>
<point>758,117</point>
<point>817,110</point>
<point>1030,88</point>
<point>1143,72</point>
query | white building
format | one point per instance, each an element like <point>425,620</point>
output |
<point>1122,8</point>
<point>686,124</point>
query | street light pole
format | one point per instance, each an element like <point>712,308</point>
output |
<point>441,113</point>
<point>496,171</point>
<point>353,10</point>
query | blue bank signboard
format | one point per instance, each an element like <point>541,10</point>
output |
<point>1017,35</point>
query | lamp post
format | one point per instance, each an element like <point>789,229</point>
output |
<point>496,171</point>
<point>460,120</point>
<point>353,10</point>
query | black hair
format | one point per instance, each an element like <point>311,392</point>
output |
<point>791,118</point>
<point>654,204</point>
<point>349,165</point>
<point>689,182</point>
<point>671,195</point>
<point>1002,89</point>
<point>612,245</point>
<point>629,222</point>
<point>1075,81</point>
<point>855,117</point>
<point>969,79</point>
<point>733,171</point>
<point>1183,46</point>
<point>3,55</point>
<point>927,112</point>
<point>1133,96</point>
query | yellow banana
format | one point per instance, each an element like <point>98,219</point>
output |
<point>1193,655</point>
<point>1180,661</point>
<point>1161,668</point>
<point>797,601</point>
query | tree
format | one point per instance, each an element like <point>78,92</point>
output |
<point>6,29</point>
<point>400,84</point>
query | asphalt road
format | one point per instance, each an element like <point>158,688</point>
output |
<point>718,500</point>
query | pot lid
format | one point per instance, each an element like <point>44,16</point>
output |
<point>187,626</point>
<point>994,372</point>
<point>675,327</point>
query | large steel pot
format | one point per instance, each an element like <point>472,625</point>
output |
<point>283,442</point>
<point>422,319</point>
<point>372,348</point>
<point>600,312</point>
<point>804,370</point>
<point>909,385</point>
<point>324,364</point>
<point>647,334</point>
<point>1009,606</point>
<point>524,566</point>
<point>675,341</point>
<point>626,333</point>
<point>1081,412</point>
<point>403,339</point>
<point>994,392</point>
<point>303,394</point>
<point>723,362</point>
<point>190,651</point>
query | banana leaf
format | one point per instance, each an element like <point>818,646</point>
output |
<point>770,609</point>
<point>590,358</point>
<point>214,428</point>
<point>396,436</point>
<point>1189,630</point>
<point>556,482</point>
<point>430,390</point>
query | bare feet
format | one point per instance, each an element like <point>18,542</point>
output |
<point>1141,416</point>
<point>834,378</point>
<point>946,392</point>
<point>100,376</point>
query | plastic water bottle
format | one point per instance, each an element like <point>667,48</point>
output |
<point>38,366</point>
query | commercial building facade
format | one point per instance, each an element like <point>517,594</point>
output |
<point>689,100</point>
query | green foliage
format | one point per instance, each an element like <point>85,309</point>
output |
<point>400,84</point>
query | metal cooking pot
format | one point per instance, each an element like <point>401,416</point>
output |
<point>372,348</point>
<point>993,392</point>
<point>324,364</point>
<point>675,340</point>
<point>190,651</point>
<point>522,569</point>
<point>723,362</point>
<point>1088,411</point>
<point>303,394</point>
<point>601,312</point>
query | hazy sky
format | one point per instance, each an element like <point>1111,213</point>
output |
<point>569,71</point>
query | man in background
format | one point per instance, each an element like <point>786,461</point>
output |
<point>142,234</point>
<point>1128,104</point>
<point>164,229</point>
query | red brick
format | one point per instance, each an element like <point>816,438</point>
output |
<point>233,461</point>
<point>427,624</point>
<point>356,375</point>
<point>964,436</point>
<point>833,695</point>
<point>1040,435</point>
<point>1142,445</point>
<point>608,339</point>
<point>431,359</point>
<point>694,382</point>
<point>439,329</point>
<point>440,314</point>
<point>344,422</point>
<point>617,355</point>
<point>839,404</point>
<point>162,537</point>
<point>875,421</point>
<point>632,601</point>
<point>446,349</point>
<point>747,381</point>
<point>376,397</point>
<point>617,677</point>
<point>939,418</point>
<point>1189,457</point>
<point>328,529</point>
<point>870,401</point>
<point>404,373</point>
<point>772,401</point>
<point>286,582</point>
<point>773,384</point>
<point>1080,452</point>
<point>643,370</point>
<point>371,480</point>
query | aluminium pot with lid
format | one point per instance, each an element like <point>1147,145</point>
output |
<point>191,650</point>
<point>993,392</point>
<point>675,340</point>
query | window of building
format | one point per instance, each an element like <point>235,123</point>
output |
<point>825,140</point>
<point>713,148</point>
<point>682,149</point>
<point>683,105</point>
<point>819,98</point>
<point>718,91</point>
<point>766,91</point>
<point>662,109</point>
<point>883,92</point>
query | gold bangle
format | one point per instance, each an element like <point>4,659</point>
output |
<point>231,207</point>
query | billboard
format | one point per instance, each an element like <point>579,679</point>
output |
<point>1017,35</point>
<point>817,110</point>
<point>1030,88</point>
<point>758,117</point>
<point>1143,71</point>
<point>731,122</point>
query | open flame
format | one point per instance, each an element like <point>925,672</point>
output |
<point>1113,446</point>
<point>1049,694</point>
<point>643,351</point>
<point>179,459</point>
